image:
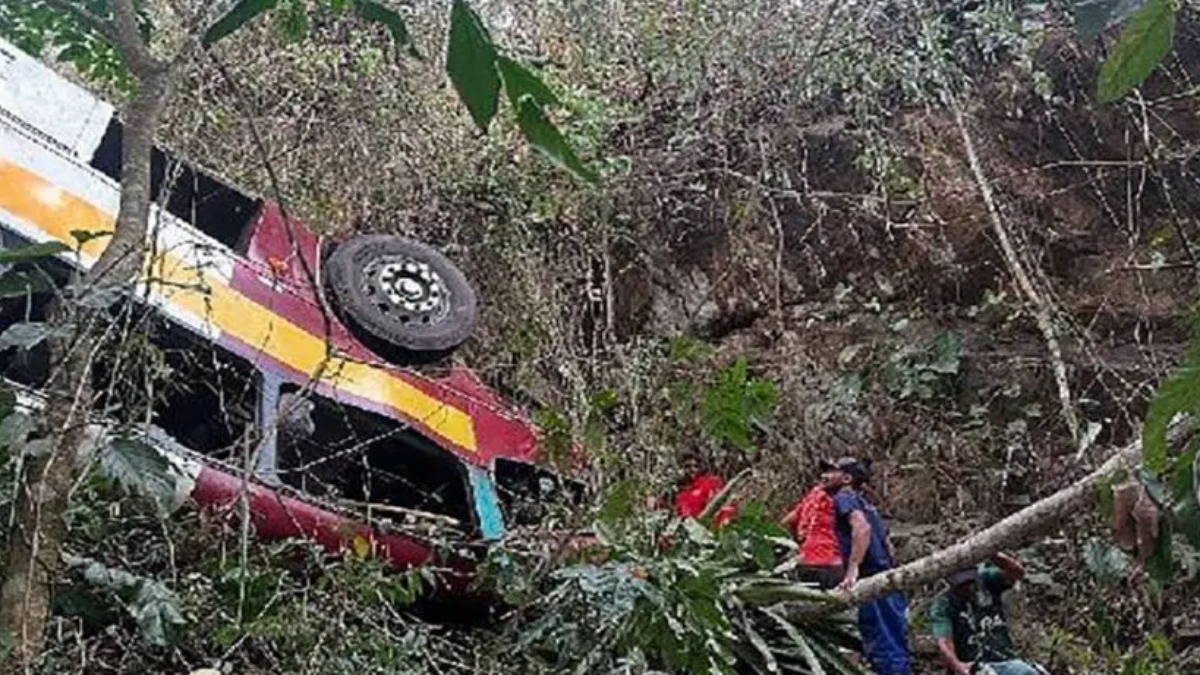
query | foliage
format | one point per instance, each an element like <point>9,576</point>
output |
<point>1146,38</point>
<point>922,372</point>
<point>473,61</point>
<point>674,595</point>
<point>1170,477</point>
<point>37,27</point>
<point>140,467</point>
<point>737,406</point>
<point>153,606</point>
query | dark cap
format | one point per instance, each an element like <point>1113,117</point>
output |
<point>963,576</point>
<point>851,465</point>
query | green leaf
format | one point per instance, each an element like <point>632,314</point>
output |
<point>293,21</point>
<point>29,334</point>
<point>520,82</point>
<point>1179,394</point>
<point>8,402</point>
<point>794,634</point>
<point>760,644</point>
<point>1144,41</point>
<point>19,283</point>
<point>546,139</point>
<point>153,606</point>
<point>1187,518</point>
<point>1092,17</point>
<point>141,468</point>
<point>1161,565</point>
<point>82,237</point>
<point>238,16</point>
<point>15,430</point>
<point>1107,563</point>
<point>377,13</point>
<point>737,405</point>
<point>722,498</point>
<point>44,249</point>
<point>618,504</point>
<point>471,64</point>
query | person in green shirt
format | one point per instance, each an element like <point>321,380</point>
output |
<point>969,624</point>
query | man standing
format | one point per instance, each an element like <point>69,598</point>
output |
<point>866,551</point>
<point>811,522</point>
<point>969,624</point>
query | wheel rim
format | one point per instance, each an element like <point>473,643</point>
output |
<point>407,289</point>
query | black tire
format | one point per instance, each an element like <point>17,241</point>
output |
<point>379,310</point>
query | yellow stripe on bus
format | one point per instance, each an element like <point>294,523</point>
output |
<point>51,208</point>
<point>197,292</point>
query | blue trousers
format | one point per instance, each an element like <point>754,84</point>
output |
<point>883,625</point>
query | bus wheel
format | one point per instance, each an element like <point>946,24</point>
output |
<point>401,293</point>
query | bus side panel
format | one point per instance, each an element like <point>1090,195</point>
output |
<point>275,516</point>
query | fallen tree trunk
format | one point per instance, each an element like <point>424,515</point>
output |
<point>1008,533</point>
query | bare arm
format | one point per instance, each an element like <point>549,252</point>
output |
<point>950,657</point>
<point>1010,567</point>
<point>860,540</point>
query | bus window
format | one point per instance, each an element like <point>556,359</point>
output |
<point>196,197</point>
<point>209,405</point>
<point>362,458</point>
<point>527,492</point>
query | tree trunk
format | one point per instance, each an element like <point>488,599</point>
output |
<point>1008,533</point>
<point>39,528</point>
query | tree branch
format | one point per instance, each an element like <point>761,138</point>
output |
<point>1043,310</point>
<point>129,41</point>
<point>1008,533</point>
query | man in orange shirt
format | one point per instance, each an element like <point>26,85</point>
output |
<point>811,522</point>
<point>693,499</point>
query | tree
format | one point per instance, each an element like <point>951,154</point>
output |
<point>117,38</point>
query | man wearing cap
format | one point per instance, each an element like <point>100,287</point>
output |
<point>969,624</point>
<point>866,551</point>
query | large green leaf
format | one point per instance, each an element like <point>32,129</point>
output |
<point>153,606</point>
<point>235,18</point>
<point>471,64</point>
<point>20,283</point>
<point>29,334</point>
<point>140,467</point>
<point>45,249</point>
<point>1179,394</point>
<point>520,82</point>
<point>377,13</point>
<point>548,140</point>
<point>1144,41</point>
<point>1093,16</point>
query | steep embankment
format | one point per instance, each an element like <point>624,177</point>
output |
<point>790,184</point>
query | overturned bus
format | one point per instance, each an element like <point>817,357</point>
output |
<point>348,441</point>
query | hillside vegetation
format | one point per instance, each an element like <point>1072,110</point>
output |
<point>904,230</point>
